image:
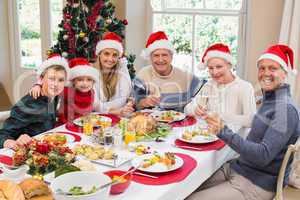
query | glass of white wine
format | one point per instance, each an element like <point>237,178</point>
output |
<point>157,94</point>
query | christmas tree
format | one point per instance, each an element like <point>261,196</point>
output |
<point>83,24</point>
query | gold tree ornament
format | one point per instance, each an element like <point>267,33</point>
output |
<point>82,34</point>
<point>49,52</point>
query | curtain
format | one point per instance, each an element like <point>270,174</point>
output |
<point>290,35</point>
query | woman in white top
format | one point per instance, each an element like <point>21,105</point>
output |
<point>225,93</point>
<point>115,83</point>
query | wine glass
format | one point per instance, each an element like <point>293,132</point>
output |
<point>157,93</point>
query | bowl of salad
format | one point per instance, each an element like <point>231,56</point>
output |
<point>81,185</point>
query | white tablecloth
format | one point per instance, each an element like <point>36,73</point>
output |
<point>207,163</point>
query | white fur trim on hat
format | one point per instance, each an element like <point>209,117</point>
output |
<point>53,61</point>
<point>160,44</point>
<point>218,54</point>
<point>103,44</point>
<point>83,70</point>
<point>275,58</point>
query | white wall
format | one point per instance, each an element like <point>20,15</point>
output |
<point>265,21</point>
<point>5,66</point>
<point>136,30</point>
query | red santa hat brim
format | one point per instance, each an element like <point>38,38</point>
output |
<point>218,54</point>
<point>60,61</point>
<point>159,44</point>
<point>83,70</point>
<point>111,44</point>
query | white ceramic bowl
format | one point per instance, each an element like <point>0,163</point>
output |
<point>84,179</point>
<point>14,173</point>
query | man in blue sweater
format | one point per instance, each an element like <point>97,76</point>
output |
<point>254,174</point>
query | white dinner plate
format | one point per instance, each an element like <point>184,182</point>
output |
<point>157,167</point>
<point>200,139</point>
<point>70,138</point>
<point>78,121</point>
<point>177,116</point>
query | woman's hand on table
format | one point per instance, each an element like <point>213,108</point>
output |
<point>200,111</point>
<point>214,122</point>
<point>127,109</point>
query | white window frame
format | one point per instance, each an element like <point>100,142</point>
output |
<point>242,34</point>
<point>15,36</point>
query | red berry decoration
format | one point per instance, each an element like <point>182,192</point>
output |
<point>125,22</point>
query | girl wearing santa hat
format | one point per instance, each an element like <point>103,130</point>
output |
<point>225,93</point>
<point>114,86</point>
<point>274,127</point>
<point>79,99</point>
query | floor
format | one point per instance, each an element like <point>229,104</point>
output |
<point>291,193</point>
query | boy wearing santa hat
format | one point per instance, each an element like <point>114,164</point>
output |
<point>276,125</point>
<point>225,93</point>
<point>161,84</point>
<point>29,116</point>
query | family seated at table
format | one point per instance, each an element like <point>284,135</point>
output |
<point>226,102</point>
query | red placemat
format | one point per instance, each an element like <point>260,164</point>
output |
<point>76,137</point>
<point>5,160</point>
<point>217,145</point>
<point>188,121</point>
<point>73,127</point>
<point>169,177</point>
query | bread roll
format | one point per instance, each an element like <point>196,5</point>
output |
<point>44,197</point>
<point>34,188</point>
<point>10,191</point>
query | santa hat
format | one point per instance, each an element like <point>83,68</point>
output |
<point>82,67</point>
<point>53,59</point>
<point>110,40</point>
<point>281,54</point>
<point>217,50</point>
<point>157,40</point>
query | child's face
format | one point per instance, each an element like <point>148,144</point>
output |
<point>53,82</point>
<point>83,83</point>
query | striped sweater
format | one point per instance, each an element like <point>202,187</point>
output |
<point>175,90</point>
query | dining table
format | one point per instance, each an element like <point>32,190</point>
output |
<point>206,163</point>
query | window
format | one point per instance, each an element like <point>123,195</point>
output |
<point>193,25</point>
<point>34,24</point>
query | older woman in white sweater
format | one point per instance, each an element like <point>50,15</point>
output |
<point>225,93</point>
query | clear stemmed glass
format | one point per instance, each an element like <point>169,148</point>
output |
<point>158,95</point>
